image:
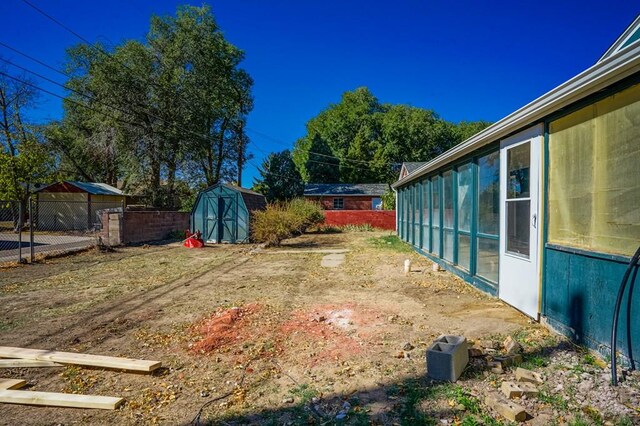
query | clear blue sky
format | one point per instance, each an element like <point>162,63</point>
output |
<point>467,60</point>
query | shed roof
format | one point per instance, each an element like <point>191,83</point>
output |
<point>93,188</point>
<point>372,189</point>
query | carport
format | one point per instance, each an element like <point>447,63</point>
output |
<point>223,213</point>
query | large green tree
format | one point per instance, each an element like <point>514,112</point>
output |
<point>365,141</point>
<point>279,178</point>
<point>148,113</point>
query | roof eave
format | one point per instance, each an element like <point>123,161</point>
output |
<point>595,78</point>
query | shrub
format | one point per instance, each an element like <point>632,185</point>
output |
<point>271,225</point>
<point>306,214</point>
<point>283,220</point>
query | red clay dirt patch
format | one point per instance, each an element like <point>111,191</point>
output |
<point>223,328</point>
<point>333,332</point>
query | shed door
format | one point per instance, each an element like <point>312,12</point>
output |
<point>211,220</point>
<point>519,230</point>
<point>227,219</point>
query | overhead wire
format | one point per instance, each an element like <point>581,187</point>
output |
<point>91,98</point>
<point>85,40</point>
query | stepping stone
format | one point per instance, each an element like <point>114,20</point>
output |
<point>332,260</point>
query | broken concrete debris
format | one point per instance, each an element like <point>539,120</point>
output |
<point>511,346</point>
<point>507,409</point>
<point>524,375</point>
<point>518,390</point>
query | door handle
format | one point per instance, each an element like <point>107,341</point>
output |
<point>534,220</point>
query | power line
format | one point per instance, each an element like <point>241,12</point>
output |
<point>79,36</point>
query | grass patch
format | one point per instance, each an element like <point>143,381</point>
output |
<point>304,393</point>
<point>390,242</point>
<point>556,401</point>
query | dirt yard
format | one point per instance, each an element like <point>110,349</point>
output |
<point>263,335</point>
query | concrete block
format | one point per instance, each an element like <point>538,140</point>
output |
<point>524,375</point>
<point>507,409</point>
<point>447,357</point>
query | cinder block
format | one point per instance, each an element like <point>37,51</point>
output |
<point>447,357</point>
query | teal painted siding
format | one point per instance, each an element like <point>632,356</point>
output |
<point>579,297</point>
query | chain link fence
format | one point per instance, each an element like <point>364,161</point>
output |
<point>43,228</point>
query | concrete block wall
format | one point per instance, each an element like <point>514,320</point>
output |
<point>142,226</point>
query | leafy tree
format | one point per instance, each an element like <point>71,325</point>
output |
<point>279,179</point>
<point>23,158</point>
<point>173,106</point>
<point>369,140</point>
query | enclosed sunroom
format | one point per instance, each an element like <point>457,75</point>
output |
<point>542,209</point>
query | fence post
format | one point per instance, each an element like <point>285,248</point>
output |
<point>31,246</point>
<point>19,231</point>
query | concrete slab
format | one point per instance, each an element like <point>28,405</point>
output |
<point>332,260</point>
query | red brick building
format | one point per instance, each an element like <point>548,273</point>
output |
<point>347,196</point>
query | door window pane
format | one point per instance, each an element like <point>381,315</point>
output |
<point>465,192</point>
<point>518,159</point>
<point>488,259</point>
<point>489,193</point>
<point>518,213</point>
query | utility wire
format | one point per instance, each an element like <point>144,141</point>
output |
<point>104,113</point>
<point>85,40</point>
<point>92,99</point>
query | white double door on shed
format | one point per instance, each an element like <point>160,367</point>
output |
<point>519,220</point>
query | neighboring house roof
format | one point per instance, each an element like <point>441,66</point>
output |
<point>628,37</point>
<point>93,188</point>
<point>616,66</point>
<point>323,189</point>
<point>410,167</point>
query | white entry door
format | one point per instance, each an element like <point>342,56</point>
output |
<point>519,219</point>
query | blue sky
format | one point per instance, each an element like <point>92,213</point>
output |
<point>467,60</point>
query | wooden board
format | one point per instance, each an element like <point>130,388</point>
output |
<point>26,363</point>
<point>12,383</point>
<point>80,359</point>
<point>54,399</point>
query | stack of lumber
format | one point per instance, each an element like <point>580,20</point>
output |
<point>11,357</point>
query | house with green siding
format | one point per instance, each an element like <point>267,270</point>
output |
<point>542,209</point>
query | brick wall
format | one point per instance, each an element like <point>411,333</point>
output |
<point>350,203</point>
<point>142,226</point>
<point>383,219</point>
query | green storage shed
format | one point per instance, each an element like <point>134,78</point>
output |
<point>223,213</point>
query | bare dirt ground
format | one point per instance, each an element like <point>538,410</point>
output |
<point>268,336</point>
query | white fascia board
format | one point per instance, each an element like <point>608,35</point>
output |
<point>597,77</point>
<point>620,41</point>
